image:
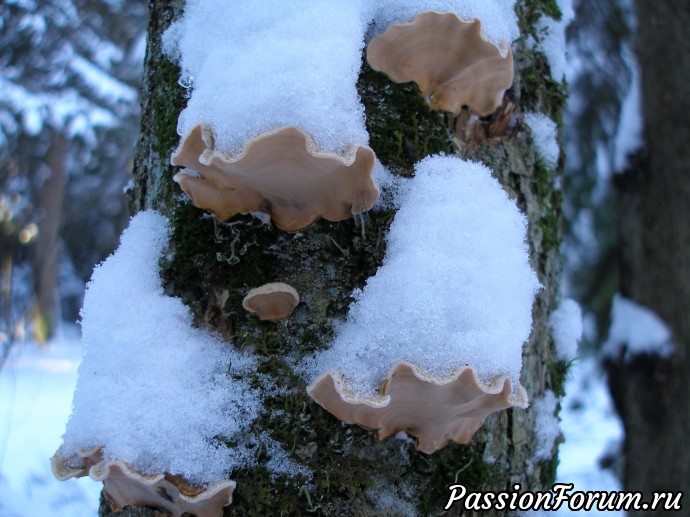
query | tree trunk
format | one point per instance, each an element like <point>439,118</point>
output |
<point>212,265</point>
<point>651,393</point>
<point>46,258</point>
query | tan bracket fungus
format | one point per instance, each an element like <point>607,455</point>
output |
<point>271,302</point>
<point>434,410</point>
<point>448,59</point>
<point>280,173</point>
<point>124,486</point>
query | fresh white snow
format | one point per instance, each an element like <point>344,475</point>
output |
<point>591,426</point>
<point>153,390</point>
<point>55,110</point>
<point>499,23</point>
<point>455,288</point>
<point>547,428</point>
<point>635,330</point>
<point>102,84</point>
<point>255,67</point>
<point>628,137</point>
<point>551,40</point>
<point>36,387</point>
<point>565,324</point>
<point>544,133</point>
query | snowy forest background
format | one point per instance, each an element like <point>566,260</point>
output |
<point>69,79</point>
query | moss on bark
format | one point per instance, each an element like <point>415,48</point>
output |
<point>212,265</point>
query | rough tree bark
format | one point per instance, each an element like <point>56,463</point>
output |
<point>651,393</point>
<point>211,266</point>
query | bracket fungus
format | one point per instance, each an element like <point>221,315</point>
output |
<point>124,486</point>
<point>448,59</point>
<point>432,409</point>
<point>271,302</point>
<point>280,173</point>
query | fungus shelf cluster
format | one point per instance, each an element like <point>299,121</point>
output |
<point>302,155</point>
<point>284,174</point>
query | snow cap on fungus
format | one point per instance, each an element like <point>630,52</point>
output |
<point>448,59</point>
<point>271,302</point>
<point>280,173</point>
<point>124,486</point>
<point>432,409</point>
<point>447,341</point>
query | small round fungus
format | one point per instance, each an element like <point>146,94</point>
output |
<point>280,173</point>
<point>448,59</point>
<point>271,302</point>
<point>435,410</point>
<point>124,486</point>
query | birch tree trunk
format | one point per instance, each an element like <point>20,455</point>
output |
<point>211,266</point>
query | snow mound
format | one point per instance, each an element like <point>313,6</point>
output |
<point>473,307</point>
<point>152,390</point>
<point>636,330</point>
<point>257,66</point>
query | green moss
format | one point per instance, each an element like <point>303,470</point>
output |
<point>167,102</point>
<point>344,459</point>
<point>213,264</point>
<point>346,462</point>
<point>548,470</point>
<point>529,12</point>
<point>314,439</point>
<point>402,128</point>
<point>463,464</point>
<point>255,495</point>
<point>191,239</point>
<point>539,92</point>
<point>550,220</point>
<point>558,374</point>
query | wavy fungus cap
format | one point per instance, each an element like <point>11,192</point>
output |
<point>124,486</point>
<point>432,409</point>
<point>280,173</point>
<point>448,59</point>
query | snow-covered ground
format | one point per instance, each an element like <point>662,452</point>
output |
<point>36,389</point>
<point>592,429</point>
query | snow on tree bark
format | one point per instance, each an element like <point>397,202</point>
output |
<point>211,266</point>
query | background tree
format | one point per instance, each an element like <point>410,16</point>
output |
<point>651,392</point>
<point>350,469</point>
<point>67,110</point>
<point>627,214</point>
<point>602,75</point>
